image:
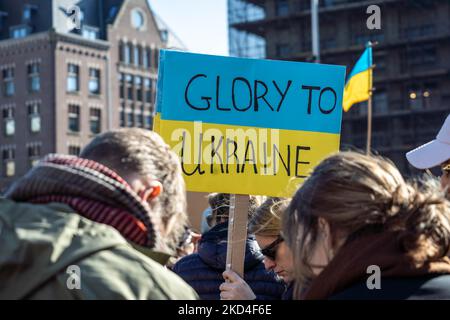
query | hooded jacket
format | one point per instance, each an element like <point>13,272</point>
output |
<point>42,245</point>
<point>203,270</point>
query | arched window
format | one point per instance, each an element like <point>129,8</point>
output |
<point>145,60</point>
<point>126,53</point>
<point>121,52</point>
<point>136,55</point>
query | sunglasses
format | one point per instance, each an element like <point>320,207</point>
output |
<point>271,250</point>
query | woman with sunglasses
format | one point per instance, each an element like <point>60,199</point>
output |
<point>434,153</point>
<point>266,226</point>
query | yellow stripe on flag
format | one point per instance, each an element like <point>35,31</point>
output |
<point>357,89</point>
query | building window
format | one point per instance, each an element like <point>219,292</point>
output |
<point>150,57</point>
<point>137,19</point>
<point>74,118</point>
<point>148,90</point>
<point>74,150</point>
<point>89,32</point>
<point>362,39</point>
<point>121,52</point>
<point>281,7</point>
<point>34,80</point>
<point>283,50</point>
<point>164,35</point>
<point>415,98</point>
<point>126,53</point>
<point>34,116</point>
<point>8,82</point>
<point>136,55</point>
<point>329,43</point>
<point>18,32</point>
<point>122,115</point>
<point>417,31</point>
<point>122,86</point>
<point>148,121</point>
<point>421,96</point>
<point>9,165</point>
<point>130,117</point>
<point>380,102</point>
<point>156,58</point>
<point>140,117</point>
<point>145,58</point>
<point>129,80</point>
<point>94,81</point>
<point>95,116</point>
<point>73,78</point>
<point>138,84</point>
<point>34,153</point>
<point>421,55</point>
<point>26,13</point>
<point>8,120</point>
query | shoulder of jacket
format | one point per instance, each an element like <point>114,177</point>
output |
<point>166,282</point>
<point>140,276</point>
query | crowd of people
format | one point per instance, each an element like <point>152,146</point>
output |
<point>115,217</point>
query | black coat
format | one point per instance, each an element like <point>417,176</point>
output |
<point>203,270</point>
<point>431,287</point>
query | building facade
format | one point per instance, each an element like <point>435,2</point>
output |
<point>70,69</point>
<point>412,73</point>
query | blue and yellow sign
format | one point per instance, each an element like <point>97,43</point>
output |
<point>248,126</point>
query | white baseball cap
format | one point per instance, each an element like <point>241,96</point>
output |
<point>434,152</point>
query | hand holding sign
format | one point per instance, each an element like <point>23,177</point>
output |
<point>235,288</point>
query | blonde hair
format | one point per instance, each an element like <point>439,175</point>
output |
<point>266,221</point>
<point>357,194</point>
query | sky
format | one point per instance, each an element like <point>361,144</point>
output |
<point>200,24</point>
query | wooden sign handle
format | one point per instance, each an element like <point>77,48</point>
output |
<point>237,233</point>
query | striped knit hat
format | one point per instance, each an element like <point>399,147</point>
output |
<point>93,191</point>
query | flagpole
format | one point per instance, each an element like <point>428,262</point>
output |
<point>369,124</point>
<point>315,33</point>
<point>369,104</point>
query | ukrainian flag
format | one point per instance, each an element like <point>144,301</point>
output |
<point>359,84</point>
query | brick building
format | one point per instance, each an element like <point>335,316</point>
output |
<point>68,73</point>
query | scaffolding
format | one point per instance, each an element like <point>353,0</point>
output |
<point>244,43</point>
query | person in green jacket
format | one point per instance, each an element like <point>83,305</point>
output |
<point>94,226</point>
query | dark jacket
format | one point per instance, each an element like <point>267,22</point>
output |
<point>203,270</point>
<point>288,293</point>
<point>429,287</point>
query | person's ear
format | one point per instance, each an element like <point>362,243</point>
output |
<point>152,190</point>
<point>325,231</point>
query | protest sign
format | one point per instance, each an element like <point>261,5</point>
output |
<point>243,126</point>
<point>248,126</point>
